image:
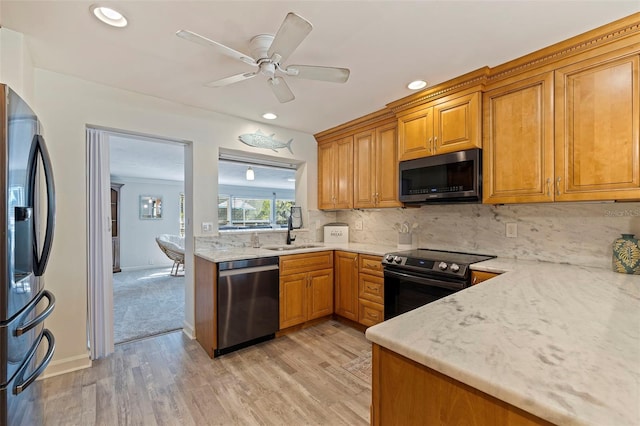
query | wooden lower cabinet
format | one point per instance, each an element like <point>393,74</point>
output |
<point>479,276</point>
<point>407,393</point>
<point>205,303</point>
<point>346,284</point>
<point>306,292</point>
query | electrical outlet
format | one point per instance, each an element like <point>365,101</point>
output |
<point>207,227</point>
<point>359,225</point>
<point>512,230</point>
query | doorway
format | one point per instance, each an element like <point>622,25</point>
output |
<point>151,200</point>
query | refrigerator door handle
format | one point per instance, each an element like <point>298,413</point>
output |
<point>39,147</point>
<point>21,383</point>
<point>19,331</point>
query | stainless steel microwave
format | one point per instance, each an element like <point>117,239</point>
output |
<point>446,178</point>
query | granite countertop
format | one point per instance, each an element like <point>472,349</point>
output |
<point>559,341</point>
<point>239,253</point>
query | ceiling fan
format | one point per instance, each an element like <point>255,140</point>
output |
<point>268,53</point>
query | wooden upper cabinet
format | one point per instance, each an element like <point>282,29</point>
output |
<point>415,134</point>
<point>457,124</point>
<point>376,168</point>
<point>335,174</point>
<point>387,166</point>
<point>440,127</point>
<point>518,142</point>
<point>326,175</point>
<point>597,129</point>
<point>364,169</point>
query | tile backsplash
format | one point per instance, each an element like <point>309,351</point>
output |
<point>575,233</point>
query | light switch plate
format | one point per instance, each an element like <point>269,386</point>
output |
<point>359,225</point>
<point>512,230</point>
<point>207,227</point>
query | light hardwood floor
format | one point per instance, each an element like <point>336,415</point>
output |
<point>303,378</point>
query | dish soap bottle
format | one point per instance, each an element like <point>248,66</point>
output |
<point>626,255</point>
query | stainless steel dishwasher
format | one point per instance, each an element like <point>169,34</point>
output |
<point>248,302</point>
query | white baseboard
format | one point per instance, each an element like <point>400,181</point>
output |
<point>188,330</point>
<point>67,365</point>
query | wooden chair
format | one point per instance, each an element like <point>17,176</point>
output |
<point>173,247</point>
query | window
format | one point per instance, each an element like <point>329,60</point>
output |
<point>262,202</point>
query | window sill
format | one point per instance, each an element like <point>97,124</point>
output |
<point>260,230</point>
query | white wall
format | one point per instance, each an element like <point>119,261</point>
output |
<point>16,68</point>
<point>138,247</point>
<point>66,105</point>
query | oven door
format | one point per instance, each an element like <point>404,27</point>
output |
<point>405,291</point>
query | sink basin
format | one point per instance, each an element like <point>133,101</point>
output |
<point>291,247</point>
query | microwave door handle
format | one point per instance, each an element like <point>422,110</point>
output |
<point>39,147</point>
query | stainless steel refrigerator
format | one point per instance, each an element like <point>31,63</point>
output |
<point>27,217</point>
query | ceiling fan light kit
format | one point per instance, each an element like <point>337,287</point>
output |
<point>268,53</point>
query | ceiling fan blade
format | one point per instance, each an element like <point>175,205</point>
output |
<point>293,30</point>
<point>312,72</point>
<point>232,79</point>
<point>281,90</point>
<point>225,50</point>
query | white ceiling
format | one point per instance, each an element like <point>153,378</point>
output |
<point>386,44</point>
<point>144,158</point>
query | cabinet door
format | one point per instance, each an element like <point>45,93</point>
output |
<point>344,173</point>
<point>457,124</point>
<point>326,175</point>
<point>293,299</point>
<point>597,124</point>
<point>346,284</point>
<point>415,134</point>
<point>387,166</point>
<point>518,142</point>
<point>320,294</point>
<point>364,170</point>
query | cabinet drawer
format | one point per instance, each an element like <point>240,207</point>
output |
<point>371,265</point>
<point>370,313</point>
<point>306,262</point>
<point>371,288</point>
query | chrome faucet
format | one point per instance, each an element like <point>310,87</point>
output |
<point>289,228</point>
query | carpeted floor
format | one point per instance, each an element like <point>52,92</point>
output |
<point>146,302</point>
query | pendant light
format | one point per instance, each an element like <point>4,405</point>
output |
<point>250,175</point>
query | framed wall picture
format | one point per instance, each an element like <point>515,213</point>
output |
<point>150,207</point>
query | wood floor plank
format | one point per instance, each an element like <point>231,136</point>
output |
<point>306,377</point>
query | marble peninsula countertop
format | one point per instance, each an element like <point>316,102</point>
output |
<point>238,253</point>
<point>559,341</point>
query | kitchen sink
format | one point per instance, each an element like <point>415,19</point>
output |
<point>291,247</point>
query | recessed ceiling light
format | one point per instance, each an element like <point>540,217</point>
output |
<point>269,116</point>
<point>417,84</point>
<point>108,15</point>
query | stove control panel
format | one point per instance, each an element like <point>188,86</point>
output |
<point>425,265</point>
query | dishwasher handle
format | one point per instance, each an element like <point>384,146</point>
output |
<point>250,270</point>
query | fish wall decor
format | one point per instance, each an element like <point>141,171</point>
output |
<point>260,140</point>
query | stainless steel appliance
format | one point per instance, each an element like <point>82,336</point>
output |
<point>417,277</point>
<point>248,302</point>
<point>444,178</point>
<point>27,215</point>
